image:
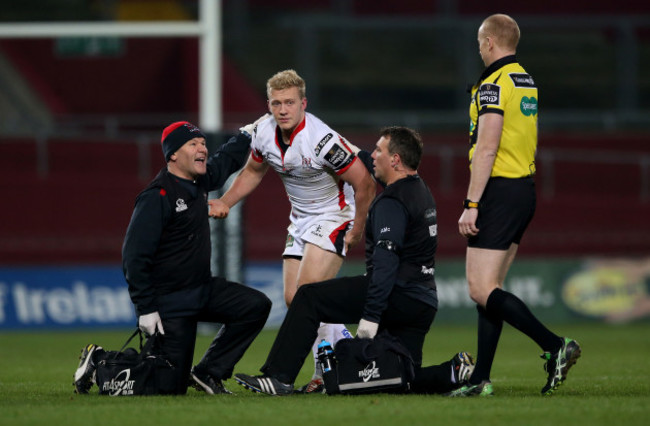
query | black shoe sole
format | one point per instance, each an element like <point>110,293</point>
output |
<point>258,389</point>
<point>249,386</point>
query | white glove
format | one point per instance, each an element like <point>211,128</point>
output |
<point>249,128</point>
<point>150,323</point>
<point>367,329</point>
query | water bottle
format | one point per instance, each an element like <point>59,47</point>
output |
<point>325,356</point>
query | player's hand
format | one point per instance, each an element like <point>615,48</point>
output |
<point>149,323</point>
<point>467,223</point>
<point>367,329</point>
<point>352,238</point>
<point>249,128</point>
<point>218,209</point>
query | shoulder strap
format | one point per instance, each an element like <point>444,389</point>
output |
<point>137,331</point>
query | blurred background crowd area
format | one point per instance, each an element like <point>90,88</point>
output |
<point>80,118</point>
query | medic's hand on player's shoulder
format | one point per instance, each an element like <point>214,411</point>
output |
<point>249,128</point>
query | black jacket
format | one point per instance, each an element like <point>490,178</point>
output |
<point>401,242</point>
<point>167,244</point>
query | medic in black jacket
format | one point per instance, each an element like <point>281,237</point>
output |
<point>166,262</point>
<point>398,292</point>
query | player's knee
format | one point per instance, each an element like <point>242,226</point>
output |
<point>479,292</point>
<point>304,294</point>
<point>288,298</point>
<point>258,306</point>
<point>475,296</point>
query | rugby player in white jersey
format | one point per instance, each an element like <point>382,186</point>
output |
<point>328,188</point>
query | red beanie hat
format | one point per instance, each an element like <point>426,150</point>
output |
<point>176,134</point>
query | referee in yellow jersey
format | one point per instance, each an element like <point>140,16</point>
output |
<point>501,202</point>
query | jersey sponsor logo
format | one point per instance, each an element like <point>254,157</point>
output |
<point>322,143</point>
<point>522,80</point>
<point>306,162</point>
<point>528,106</point>
<point>337,157</point>
<point>180,205</point>
<point>489,94</point>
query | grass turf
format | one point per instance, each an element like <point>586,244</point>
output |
<point>610,384</point>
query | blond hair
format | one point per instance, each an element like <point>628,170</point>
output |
<point>285,80</point>
<point>503,29</point>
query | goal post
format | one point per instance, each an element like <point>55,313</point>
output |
<point>207,29</point>
<point>226,258</point>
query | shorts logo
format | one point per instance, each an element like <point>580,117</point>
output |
<point>289,242</point>
<point>322,143</point>
<point>528,106</point>
<point>318,231</point>
<point>433,230</point>
<point>180,205</point>
<point>489,94</point>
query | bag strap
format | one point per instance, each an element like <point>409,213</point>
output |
<point>137,331</point>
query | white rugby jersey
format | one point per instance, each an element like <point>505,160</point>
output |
<point>310,166</point>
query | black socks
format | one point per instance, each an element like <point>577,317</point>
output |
<point>512,310</point>
<point>489,331</point>
<point>504,306</point>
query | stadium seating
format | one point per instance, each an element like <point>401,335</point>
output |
<point>77,209</point>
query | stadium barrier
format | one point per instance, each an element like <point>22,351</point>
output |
<point>557,290</point>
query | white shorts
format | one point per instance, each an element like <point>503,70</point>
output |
<point>326,231</point>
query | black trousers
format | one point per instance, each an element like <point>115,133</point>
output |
<point>243,311</point>
<point>341,300</point>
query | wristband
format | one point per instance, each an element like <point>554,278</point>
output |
<point>469,204</point>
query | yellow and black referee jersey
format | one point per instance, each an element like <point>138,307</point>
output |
<point>506,88</point>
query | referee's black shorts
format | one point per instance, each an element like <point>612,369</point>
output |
<point>507,207</point>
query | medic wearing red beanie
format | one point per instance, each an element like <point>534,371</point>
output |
<point>176,134</point>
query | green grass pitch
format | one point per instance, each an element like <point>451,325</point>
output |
<point>610,385</point>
